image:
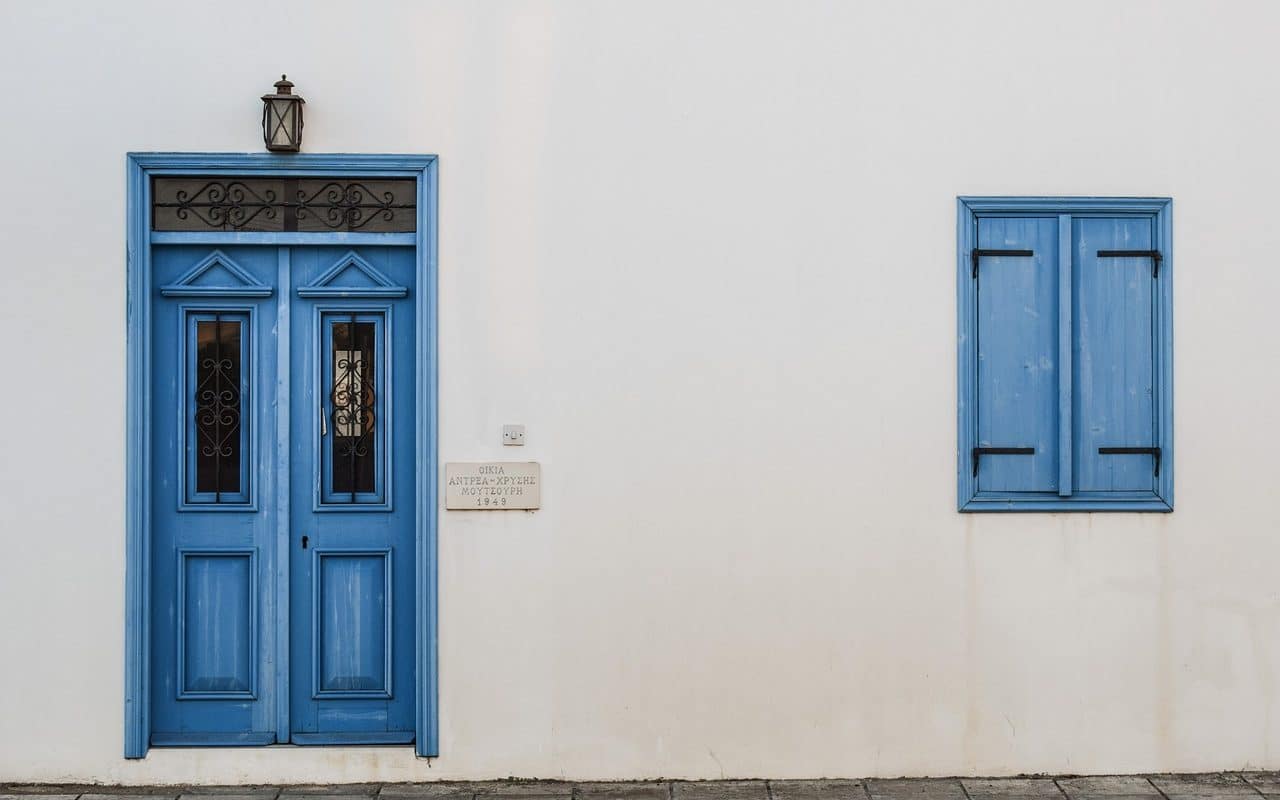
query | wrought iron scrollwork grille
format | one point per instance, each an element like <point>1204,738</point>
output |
<point>354,400</point>
<point>349,205</point>
<point>377,205</point>
<point>217,407</point>
<point>230,205</point>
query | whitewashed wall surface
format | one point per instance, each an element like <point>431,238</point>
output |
<point>705,252</point>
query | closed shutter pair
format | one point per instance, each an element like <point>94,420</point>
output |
<point>1066,354</point>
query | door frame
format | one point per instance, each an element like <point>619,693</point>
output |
<point>139,239</point>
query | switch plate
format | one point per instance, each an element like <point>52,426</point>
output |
<point>513,435</point>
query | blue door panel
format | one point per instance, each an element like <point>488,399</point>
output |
<point>1017,352</point>
<point>217,602</point>
<point>1113,355</point>
<point>352,623</point>
<point>212,551</point>
<point>352,443</point>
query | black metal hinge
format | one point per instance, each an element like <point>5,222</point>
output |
<point>1154,452</point>
<point>978,253</point>
<point>979,452</point>
<point>1154,255</point>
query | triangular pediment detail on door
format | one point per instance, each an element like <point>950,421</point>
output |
<point>352,276</point>
<point>216,275</point>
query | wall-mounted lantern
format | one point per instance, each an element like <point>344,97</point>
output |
<point>282,118</point>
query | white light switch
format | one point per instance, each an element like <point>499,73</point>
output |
<point>513,435</point>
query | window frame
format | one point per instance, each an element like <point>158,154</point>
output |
<point>969,210</point>
<point>326,499</point>
<point>189,498</point>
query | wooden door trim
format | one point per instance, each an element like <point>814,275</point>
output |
<point>141,167</point>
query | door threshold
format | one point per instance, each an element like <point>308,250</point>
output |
<point>374,737</point>
<point>246,739</point>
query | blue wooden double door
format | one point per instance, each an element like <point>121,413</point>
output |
<point>283,518</point>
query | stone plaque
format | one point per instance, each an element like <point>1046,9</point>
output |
<point>493,486</point>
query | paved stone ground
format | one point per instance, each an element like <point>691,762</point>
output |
<point>1215,786</point>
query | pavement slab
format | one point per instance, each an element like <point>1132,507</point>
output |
<point>1108,786</point>
<point>720,790</point>
<point>428,791</point>
<point>646,790</point>
<point>817,790</point>
<point>355,791</point>
<point>1011,789</point>
<point>524,789</point>
<point>1198,787</point>
<point>134,793</point>
<point>131,791</point>
<point>915,789</point>
<point>1265,782</point>
<point>228,791</point>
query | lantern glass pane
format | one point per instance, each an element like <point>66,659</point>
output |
<point>283,114</point>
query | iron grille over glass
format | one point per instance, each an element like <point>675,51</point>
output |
<point>217,407</point>
<point>371,205</point>
<point>354,400</point>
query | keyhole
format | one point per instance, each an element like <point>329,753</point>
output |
<point>304,543</point>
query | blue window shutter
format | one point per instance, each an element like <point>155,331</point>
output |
<point>1113,356</point>
<point>1017,354</point>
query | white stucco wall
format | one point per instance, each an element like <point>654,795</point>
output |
<point>705,252</point>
